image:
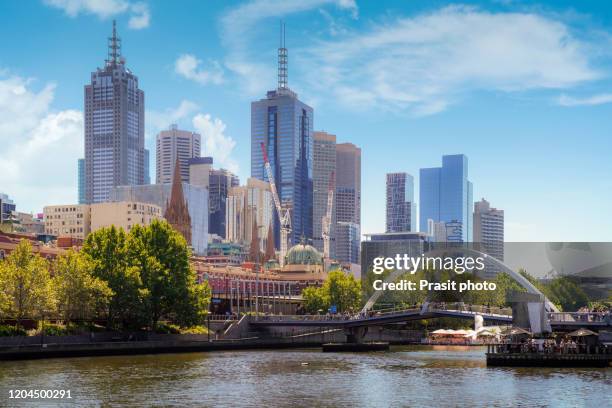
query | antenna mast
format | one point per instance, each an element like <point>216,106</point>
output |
<point>282,59</point>
<point>114,48</point>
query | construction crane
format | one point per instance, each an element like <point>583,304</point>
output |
<point>284,216</point>
<point>327,218</point>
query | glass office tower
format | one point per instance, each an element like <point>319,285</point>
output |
<point>284,125</point>
<point>446,196</point>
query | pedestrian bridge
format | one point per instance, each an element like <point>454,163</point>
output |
<point>376,318</point>
<point>558,321</point>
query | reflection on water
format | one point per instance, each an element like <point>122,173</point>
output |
<point>405,376</point>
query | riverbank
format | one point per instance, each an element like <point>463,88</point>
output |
<point>172,344</point>
<point>55,350</point>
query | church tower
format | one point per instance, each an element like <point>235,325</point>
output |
<point>177,213</point>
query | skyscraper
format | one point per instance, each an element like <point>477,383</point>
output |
<point>114,127</point>
<point>348,203</point>
<point>284,125</point>
<point>81,181</point>
<point>489,229</point>
<point>220,182</point>
<point>248,205</point>
<point>446,196</point>
<point>348,183</point>
<point>401,209</point>
<point>173,143</point>
<point>147,170</point>
<point>324,165</point>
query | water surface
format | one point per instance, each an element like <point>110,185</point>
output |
<point>433,376</point>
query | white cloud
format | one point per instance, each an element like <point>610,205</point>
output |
<point>215,142</point>
<point>33,138</point>
<point>188,66</point>
<point>141,17</point>
<point>565,100</point>
<point>139,12</point>
<point>238,30</point>
<point>157,121</point>
<point>424,63</point>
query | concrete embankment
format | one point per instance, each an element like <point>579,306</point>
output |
<point>54,350</point>
<point>105,344</point>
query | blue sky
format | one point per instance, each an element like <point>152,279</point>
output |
<point>522,88</point>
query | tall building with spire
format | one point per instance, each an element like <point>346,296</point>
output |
<point>114,127</point>
<point>177,213</point>
<point>284,125</point>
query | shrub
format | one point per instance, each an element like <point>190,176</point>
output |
<point>52,329</point>
<point>165,328</point>
<point>195,330</point>
<point>8,331</point>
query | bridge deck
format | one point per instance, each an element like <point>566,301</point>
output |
<point>557,320</point>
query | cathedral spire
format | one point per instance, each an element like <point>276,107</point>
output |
<point>177,213</point>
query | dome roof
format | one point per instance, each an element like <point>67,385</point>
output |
<point>302,254</point>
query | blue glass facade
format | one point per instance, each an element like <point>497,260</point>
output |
<point>284,125</point>
<point>446,196</point>
<point>81,181</point>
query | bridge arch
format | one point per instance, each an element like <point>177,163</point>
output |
<point>520,279</point>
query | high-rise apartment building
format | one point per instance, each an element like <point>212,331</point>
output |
<point>220,182</point>
<point>173,143</point>
<point>114,127</point>
<point>446,196</point>
<point>249,208</point>
<point>489,229</point>
<point>323,168</point>
<point>401,208</point>
<point>284,125</point>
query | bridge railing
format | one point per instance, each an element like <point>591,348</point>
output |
<point>474,309</point>
<point>303,318</point>
<point>451,307</point>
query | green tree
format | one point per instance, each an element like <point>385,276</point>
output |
<point>79,294</point>
<point>26,284</point>
<point>342,290</point>
<point>161,255</point>
<point>566,294</point>
<point>105,250</point>
<point>315,299</point>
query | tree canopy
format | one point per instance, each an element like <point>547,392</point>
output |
<point>339,289</point>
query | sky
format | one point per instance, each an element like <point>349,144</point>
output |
<point>524,89</point>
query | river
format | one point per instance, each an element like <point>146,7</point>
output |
<point>432,376</point>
